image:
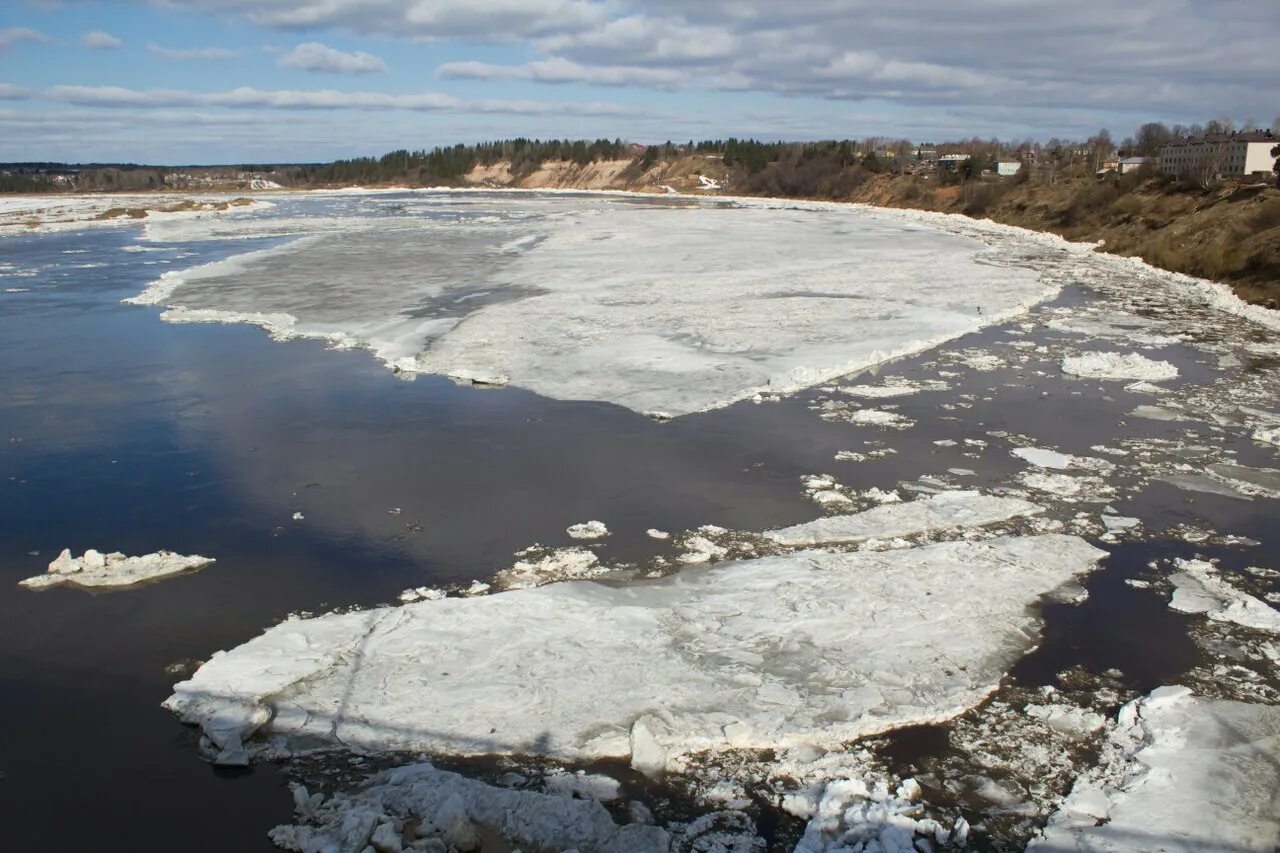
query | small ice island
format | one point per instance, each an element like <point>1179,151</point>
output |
<point>109,571</point>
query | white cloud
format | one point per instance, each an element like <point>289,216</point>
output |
<point>314,56</point>
<point>189,53</point>
<point>16,35</point>
<point>1177,60</point>
<point>10,92</point>
<point>247,97</point>
<point>557,70</point>
<point>98,40</point>
<point>475,20</point>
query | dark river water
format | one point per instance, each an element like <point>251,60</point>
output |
<point>121,432</point>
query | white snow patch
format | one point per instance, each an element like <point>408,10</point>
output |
<point>97,570</point>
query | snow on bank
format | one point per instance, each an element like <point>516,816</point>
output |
<point>1182,773</point>
<point>764,653</point>
<point>37,214</point>
<point>103,571</point>
<point>944,511</point>
<point>1109,365</point>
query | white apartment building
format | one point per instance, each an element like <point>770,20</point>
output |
<point>1007,168</point>
<point>1228,154</point>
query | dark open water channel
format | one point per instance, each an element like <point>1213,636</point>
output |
<point>121,432</point>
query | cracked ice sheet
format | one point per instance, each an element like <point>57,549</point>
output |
<point>763,653</point>
<point>658,310</point>
<point>1187,774</point>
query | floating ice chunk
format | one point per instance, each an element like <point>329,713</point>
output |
<point>1116,523</point>
<point>1042,458</point>
<point>1267,435</point>
<point>940,512</point>
<point>422,593</point>
<point>654,533</point>
<point>1145,388</point>
<point>447,808</point>
<point>896,388</point>
<point>877,417</point>
<point>297,516</point>
<point>541,566</point>
<point>1184,774</point>
<point>1110,365</point>
<point>97,570</point>
<point>1253,482</point>
<point>1067,719</point>
<point>591,786</point>
<point>588,530</point>
<point>756,654</point>
<point>852,815</point>
<point>1200,588</point>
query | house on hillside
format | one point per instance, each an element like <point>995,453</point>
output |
<point>1131,164</point>
<point>1008,168</point>
<point>1220,154</point>
<point>951,161</point>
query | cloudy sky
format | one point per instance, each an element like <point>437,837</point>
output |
<point>219,81</point>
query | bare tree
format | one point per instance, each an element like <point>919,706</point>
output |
<point>1206,172</point>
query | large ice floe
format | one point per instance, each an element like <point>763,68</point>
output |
<point>1180,773</point>
<point>96,570</point>
<point>659,309</point>
<point>764,653</point>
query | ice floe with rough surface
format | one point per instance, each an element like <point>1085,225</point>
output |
<point>96,570</point>
<point>400,807</point>
<point>1200,588</point>
<point>765,653</point>
<point>658,310</point>
<point>539,566</point>
<point>936,513</point>
<point>588,530</point>
<point>852,815</point>
<point>1180,773</point>
<point>1110,365</point>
